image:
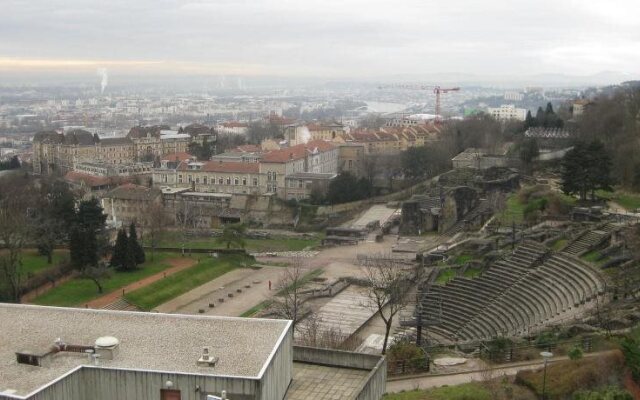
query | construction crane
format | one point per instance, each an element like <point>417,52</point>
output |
<point>436,89</point>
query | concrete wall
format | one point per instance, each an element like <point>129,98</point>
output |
<point>376,384</point>
<point>109,384</point>
<point>372,389</point>
<point>279,373</point>
<point>400,195</point>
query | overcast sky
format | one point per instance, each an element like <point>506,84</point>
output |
<point>327,38</point>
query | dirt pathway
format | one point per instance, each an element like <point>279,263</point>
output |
<point>177,265</point>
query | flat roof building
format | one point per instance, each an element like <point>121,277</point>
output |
<point>51,353</point>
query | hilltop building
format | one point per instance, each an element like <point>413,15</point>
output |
<point>60,152</point>
<point>288,173</point>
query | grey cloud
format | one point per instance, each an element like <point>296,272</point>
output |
<point>346,37</point>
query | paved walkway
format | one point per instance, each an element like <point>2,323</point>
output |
<point>425,382</point>
<point>220,288</point>
<point>177,265</point>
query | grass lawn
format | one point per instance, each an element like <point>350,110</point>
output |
<point>32,262</point>
<point>445,275</point>
<point>179,283</point>
<point>472,272</point>
<point>174,239</point>
<point>514,211</point>
<point>559,244</point>
<point>255,309</point>
<point>593,257</point>
<point>77,292</point>
<point>630,201</point>
<point>462,259</point>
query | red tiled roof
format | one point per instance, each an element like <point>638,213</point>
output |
<point>89,180</point>
<point>180,156</point>
<point>297,152</point>
<point>219,166</point>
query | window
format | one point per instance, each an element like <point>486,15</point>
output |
<point>197,179</point>
<point>255,181</point>
<point>300,183</point>
<point>235,181</point>
<point>179,178</point>
<point>204,180</point>
<point>228,181</point>
<point>244,181</point>
<point>220,181</point>
<point>269,176</point>
<point>190,178</point>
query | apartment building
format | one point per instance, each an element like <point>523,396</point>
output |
<point>319,159</point>
<point>60,152</point>
<point>507,112</point>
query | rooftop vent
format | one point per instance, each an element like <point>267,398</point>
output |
<point>206,360</point>
<point>106,347</point>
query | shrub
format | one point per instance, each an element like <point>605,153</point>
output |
<point>575,353</point>
<point>609,393</point>
<point>564,378</point>
<point>546,340</point>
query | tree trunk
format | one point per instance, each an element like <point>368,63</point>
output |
<point>50,257</point>
<point>387,330</point>
<point>97,282</point>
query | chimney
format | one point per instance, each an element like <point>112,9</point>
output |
<point>206,360</point>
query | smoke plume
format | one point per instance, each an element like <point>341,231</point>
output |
<point>102,72</point>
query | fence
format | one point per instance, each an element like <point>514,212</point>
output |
<point>188,250</point>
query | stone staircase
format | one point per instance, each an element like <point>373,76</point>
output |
<point>589,240</point>
<point>121,305</point>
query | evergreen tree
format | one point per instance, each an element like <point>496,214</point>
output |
<point>129,262</point>
<point>119,250</point>
<point>87,235</point>
<point>529,121</point>
<point>585,169</point>
<point>599,167</point>
<point>133,239</point>
<point>14,163</point>
<point>574,174</point>
<point>540,117</point>
<point>529,150</point>
<point>549,110</point>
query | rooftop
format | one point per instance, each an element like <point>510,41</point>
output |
<point>148,341</point>
<point>297,152</point>
<point>219,166</point>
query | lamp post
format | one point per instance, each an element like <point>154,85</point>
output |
<point>546,355</point>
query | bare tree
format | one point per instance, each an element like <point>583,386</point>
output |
<point>316,334</point>
<point>371,166</point>
<point>288,301</point>
<point>97,274</point>
<point>154,222</point>
<point>387,283</point>
<point>15,205</point>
